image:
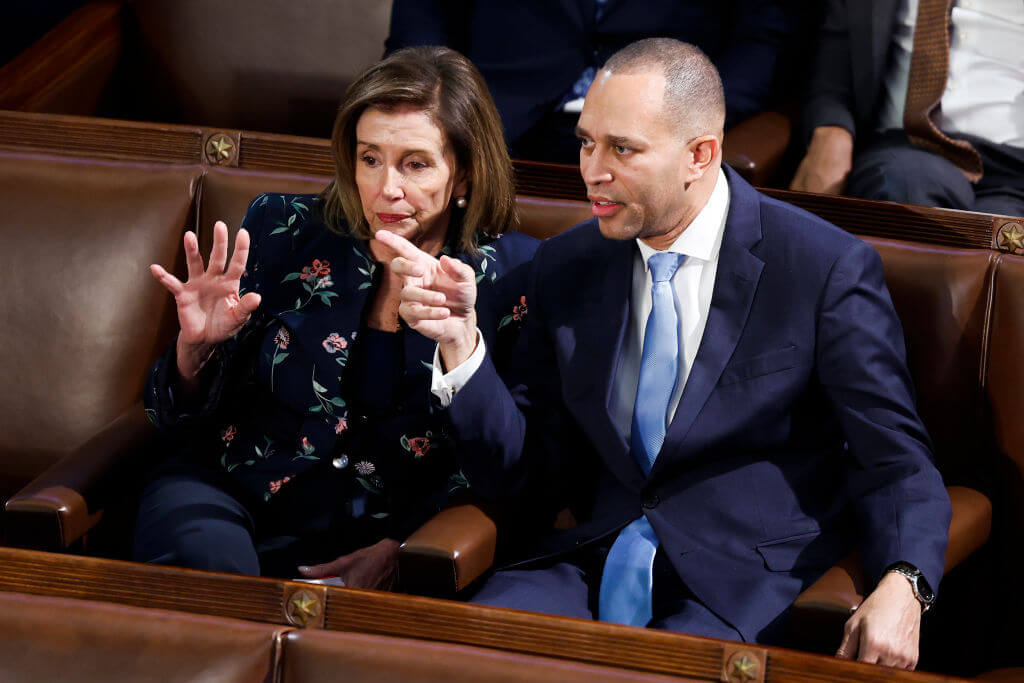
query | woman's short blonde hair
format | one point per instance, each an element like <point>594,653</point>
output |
<point>445,85</point>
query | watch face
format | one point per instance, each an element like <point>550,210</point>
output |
<point>924,590</point>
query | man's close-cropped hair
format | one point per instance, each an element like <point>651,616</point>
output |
<point>694,97</point>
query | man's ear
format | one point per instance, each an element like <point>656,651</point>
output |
<point>703,151</point>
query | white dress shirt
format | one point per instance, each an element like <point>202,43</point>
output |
<point>984,93</point>
<point>694,284</point>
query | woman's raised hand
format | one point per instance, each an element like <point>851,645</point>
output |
<point>438,297</point>
<point>209,308</point>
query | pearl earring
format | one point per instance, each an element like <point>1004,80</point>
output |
<point>460,202</point>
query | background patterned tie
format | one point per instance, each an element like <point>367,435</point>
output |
<point>582,84</point>
<point>929,68</point>
<point>628,578</point>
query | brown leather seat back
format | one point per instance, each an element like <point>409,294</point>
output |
<point>58,639</point>
<point>1004,388</point>
<point>225,195</point>
<point>83,316</point>
<point>251,64</point>
<point>324,655</point>
<point>543,218</point>
<point>941,295</point>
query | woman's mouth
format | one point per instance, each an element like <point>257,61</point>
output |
<point>391,217</point>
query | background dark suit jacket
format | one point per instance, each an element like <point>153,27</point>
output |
<point>795,439</point>
<point>849,72</point>
<point>531,52</point>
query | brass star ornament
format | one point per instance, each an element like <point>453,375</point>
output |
<point>219,148</point>
<point>744,669</point>
<point>303,608</point>
<point>1011,238</point>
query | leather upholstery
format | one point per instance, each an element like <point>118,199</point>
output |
<point>542,218</point>
<point>457,545</point>
<point>83,317</point>
<point>321,656</point>
<point>55,639</point>
<point>225,194</point>
<point>269,66</point>
<point>1003,380</point>
<point>941,296</point>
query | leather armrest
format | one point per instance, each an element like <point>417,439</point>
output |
<point>53,510</point>
<point>754,146</point>
<point>67,69</point>
<point>448,552</point>
<point>827,603</point>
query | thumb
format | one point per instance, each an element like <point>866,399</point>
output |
<point>456,269</point>
<point>851,642</point>
<point>246,305</point>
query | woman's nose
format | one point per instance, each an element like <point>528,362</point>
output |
<point>393,184</point>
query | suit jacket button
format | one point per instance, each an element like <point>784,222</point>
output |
<point>650,502</point>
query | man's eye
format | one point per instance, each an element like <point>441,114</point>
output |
<point>622,149</point>
<point>586,142</point>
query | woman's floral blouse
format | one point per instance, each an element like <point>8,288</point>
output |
<point>277,404</point>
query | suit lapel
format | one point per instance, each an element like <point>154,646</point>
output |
<point>599,333</point>
<point>735,285</point>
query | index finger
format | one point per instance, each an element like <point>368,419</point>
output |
<point>401,246</point>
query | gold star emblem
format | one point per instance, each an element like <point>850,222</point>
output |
<point>303,608</point>
<point>219,148</point>
<point>744,669</point>
<point>1011,238</point>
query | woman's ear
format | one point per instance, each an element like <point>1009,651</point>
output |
<point>461,187</point>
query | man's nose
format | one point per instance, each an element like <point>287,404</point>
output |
<point>593,168</point>
<point>394,184</point>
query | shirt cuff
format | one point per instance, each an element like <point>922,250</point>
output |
<point>445,386</point>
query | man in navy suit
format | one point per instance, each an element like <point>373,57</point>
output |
<point>538,56</point>
<point>725,427</point>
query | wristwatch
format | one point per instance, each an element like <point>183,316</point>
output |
<point>922,590</point>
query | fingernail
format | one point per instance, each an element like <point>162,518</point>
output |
<point>304,569</point>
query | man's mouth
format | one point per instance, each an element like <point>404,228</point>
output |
<point>602,207</point>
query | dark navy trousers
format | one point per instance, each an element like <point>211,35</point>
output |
<point>891,169</point>
<point>193,515</point>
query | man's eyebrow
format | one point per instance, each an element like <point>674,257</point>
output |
<point>617,140</point>
<point>580,133</point>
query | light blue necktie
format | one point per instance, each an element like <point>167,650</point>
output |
<point>628,577</point>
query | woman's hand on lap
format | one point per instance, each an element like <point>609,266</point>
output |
<point>374,567</point>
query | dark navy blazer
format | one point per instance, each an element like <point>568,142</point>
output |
<point>796,437</point>
<point>531,52</point>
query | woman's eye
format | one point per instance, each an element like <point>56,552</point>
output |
<point>368,160</point>
<point>417,165</point>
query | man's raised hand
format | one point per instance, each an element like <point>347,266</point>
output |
<point>438,297</point>
<point>209,308</point>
